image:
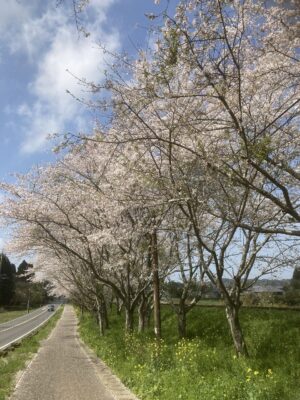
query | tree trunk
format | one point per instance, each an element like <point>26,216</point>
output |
<point>181,323</point>
<point>128,320</point>
<point>143,308</point>
<point>119,304</point>
<point>99,317</point>
<point>111,301</point>
<point>156,292</point>
<point>142,317</point>
<point>232,314</point>
<point>148,313</point>
<point>105,314</point>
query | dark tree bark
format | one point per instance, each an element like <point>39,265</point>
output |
<point>232,314</point>
<point>128,320</point>
<point>105,314</point>
<point>142,315</point>
<point>100,317</point>
<point>181,322</point>
<point>101,312</point>
<point>119,304</point>
<point>144,311</point>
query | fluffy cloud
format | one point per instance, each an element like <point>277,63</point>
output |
<point>58,54</point>
<point>15,18</point>
<point>13,11</point>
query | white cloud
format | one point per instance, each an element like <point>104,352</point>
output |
<point>36,32</point>
<point>13,11</point>
<point>14,16</point>
<point>52,44</point>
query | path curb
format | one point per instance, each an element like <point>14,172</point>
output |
<point>112,383</point>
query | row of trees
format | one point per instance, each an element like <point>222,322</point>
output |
<point>16,288</point>
<point>194,171</point>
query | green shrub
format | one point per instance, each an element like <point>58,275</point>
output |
<point>292,297</point>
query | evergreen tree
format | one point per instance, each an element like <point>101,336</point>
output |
<point>292,294</point>
<point>295,281</point>
<point>7,280</point>
<point>23,271</point>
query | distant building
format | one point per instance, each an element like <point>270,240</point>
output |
<point>266,289</point>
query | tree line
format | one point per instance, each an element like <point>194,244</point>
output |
<point>192,169</point>
<point>16,287</point>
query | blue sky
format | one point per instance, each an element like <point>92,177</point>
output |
<point>38,43</point>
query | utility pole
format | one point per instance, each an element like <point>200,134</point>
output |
<point>28,300</point>
<point>156,291</point>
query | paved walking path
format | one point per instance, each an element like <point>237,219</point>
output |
<point>62,370</point>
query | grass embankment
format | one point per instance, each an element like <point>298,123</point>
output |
<point>8,315</point>
<point>15,360</point>
<point>204,366</point>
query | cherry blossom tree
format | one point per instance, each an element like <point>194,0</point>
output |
<point>190,273</point>
<point>222,86</point>
<point>69,211</point>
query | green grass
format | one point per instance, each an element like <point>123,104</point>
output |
<point>202,302</point>
<point>8,315</point>
<point>209,302</point>
<point>204,366</point>
<point>15,360</point>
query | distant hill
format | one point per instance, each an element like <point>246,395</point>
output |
<point>266,282</point>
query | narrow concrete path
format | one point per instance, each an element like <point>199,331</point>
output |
<point>61,370</point>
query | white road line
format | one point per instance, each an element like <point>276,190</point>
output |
<point>27,333</point>
<point>22,323</point>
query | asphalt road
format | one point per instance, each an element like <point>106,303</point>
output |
<point>18,328</point>
<point>61,370</point>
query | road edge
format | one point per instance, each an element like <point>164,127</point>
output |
<point>20,374</point>
<point>18,341</point>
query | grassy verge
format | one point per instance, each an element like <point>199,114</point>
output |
<point>204,366</point>
<point>16,359</point>
<point>8,315</point>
